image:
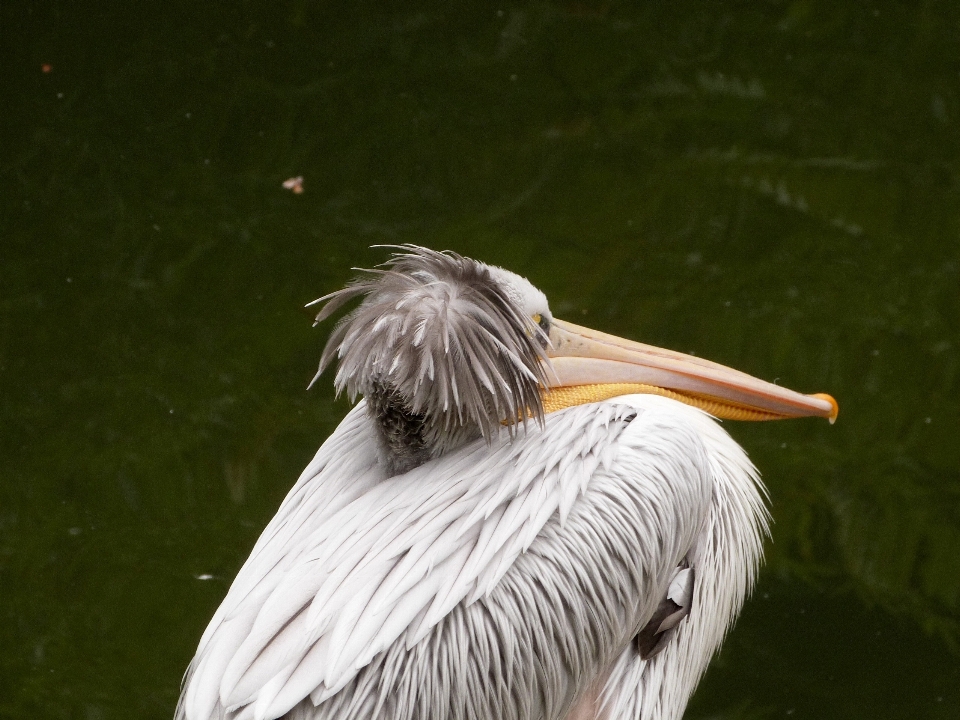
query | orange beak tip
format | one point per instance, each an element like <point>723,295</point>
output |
<point>832,417</point>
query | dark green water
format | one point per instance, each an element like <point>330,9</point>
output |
<point>775,186</point>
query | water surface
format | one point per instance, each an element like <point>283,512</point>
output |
<point>775,188</point>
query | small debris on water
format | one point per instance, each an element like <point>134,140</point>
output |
<point>294,184</point>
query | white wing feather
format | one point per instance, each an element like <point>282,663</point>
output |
<point>354,562</point>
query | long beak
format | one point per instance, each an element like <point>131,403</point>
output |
<point>589,366</point>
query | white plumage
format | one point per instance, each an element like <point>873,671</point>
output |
<point>512,577</point>
<point>355,563</point>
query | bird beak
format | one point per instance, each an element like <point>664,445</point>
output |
<point>589,366</point>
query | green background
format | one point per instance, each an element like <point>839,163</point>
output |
<point>772,185</point>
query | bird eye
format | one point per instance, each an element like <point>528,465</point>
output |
<point>544,324</point>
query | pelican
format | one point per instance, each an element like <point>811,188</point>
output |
<point>522,519</point>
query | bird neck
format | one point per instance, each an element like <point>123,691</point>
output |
<point>407,439</point>
<point>401,431</point>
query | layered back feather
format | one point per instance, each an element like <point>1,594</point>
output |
<point>444,334</point>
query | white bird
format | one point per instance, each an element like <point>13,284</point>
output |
<point>523,519</point>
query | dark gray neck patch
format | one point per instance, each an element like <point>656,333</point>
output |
<point>401,431</point>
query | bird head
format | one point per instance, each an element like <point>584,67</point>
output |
<point>447,349</point>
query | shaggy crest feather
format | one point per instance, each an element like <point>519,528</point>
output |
<point>444,335</point>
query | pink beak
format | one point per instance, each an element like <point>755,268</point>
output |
<point>584,357</point>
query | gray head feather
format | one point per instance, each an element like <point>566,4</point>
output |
<point>445,337</point>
